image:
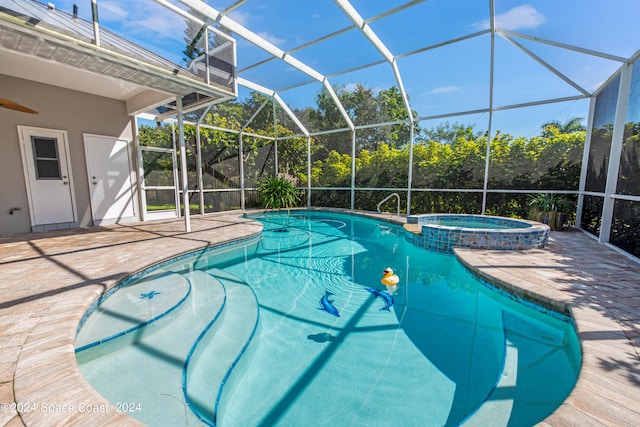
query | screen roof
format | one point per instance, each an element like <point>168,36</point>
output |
<point>449,56</point>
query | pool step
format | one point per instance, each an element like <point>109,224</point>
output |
<point>158,360</point>
<point>134,312</point>
<point>496,409</point>
<point>219,348</point>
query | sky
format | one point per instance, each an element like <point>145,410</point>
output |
<point>452,78</point>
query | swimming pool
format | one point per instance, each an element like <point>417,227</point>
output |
<point>237,336</point>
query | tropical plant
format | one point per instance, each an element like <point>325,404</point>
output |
<point>550,202</point>
<point>572,124</point>
<point>551,209</point>
<point>277,192</point>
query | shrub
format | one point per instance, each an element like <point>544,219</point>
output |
<point>551,209</point>
<point>277,193</point>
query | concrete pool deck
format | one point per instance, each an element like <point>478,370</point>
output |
<point>48,280</point>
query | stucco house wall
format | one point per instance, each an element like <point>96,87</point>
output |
<point>61,109</point>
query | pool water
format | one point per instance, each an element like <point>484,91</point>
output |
<point>250,345</point>
<point>471,224</point>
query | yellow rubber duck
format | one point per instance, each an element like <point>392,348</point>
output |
<point>389,279</point>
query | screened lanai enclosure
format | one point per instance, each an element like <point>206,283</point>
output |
<point>477,106</point>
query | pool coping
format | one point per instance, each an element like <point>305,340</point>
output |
<point>69,270</point>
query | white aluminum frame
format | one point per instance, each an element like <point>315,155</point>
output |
<point>363,26</point>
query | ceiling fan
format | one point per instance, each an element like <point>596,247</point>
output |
<point>12,105</point>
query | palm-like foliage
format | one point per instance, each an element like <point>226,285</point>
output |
<point>572,124</point>
<point>551,202</point>
<point>551,209</point>
<point>277,192</point>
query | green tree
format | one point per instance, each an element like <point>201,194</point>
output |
<point>155,136</point>
<point>327,115</point>
<point>393,108</point>
<point>385,167</point>
<point>572,124</point>
<point>449,132</point>
<point>263,122</point>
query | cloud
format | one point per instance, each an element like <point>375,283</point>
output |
<point>142,19</point>
<point>521,17</point>
<point>112,10</point>
<point>169,26</point>
<point>271,38</point>
<point>240,17</point>
<point>444,89</point>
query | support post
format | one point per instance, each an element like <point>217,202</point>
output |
<point>615,153</point>
<point>96,23</point>
<point>183,166</point>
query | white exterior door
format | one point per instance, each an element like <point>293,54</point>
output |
<point>109,175</point>
<point>45,154</point>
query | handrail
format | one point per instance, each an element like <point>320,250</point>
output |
<point>387,198</point>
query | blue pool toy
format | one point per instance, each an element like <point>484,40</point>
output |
<point>388,299</point>
<point>327,305</point>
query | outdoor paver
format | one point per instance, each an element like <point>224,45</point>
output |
<point>50,279</point>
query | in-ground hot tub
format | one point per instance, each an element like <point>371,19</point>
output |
<point>443,232</point>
